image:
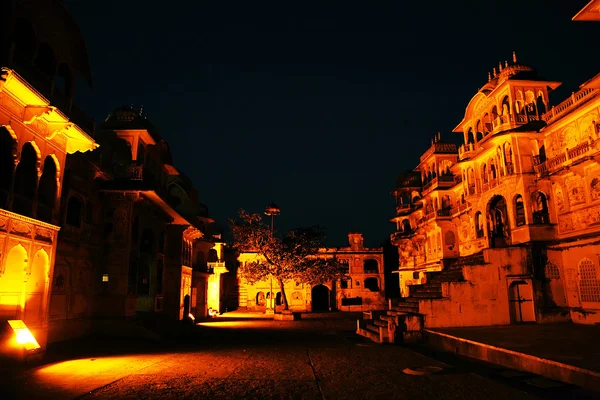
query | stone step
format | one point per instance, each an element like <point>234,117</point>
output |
<point>428,295</point>
<point>380,322</point>
<point>368,334</point>
<point>392,317</point>
<point>406,310</point>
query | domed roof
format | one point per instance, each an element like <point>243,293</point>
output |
<point>507,71</point>
<point>126,117</point>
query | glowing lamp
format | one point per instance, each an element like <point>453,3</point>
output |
<point>23,335</point>
<point>191,317</point>
<point>105,278</point>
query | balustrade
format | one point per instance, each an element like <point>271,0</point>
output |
<point>570,103</point>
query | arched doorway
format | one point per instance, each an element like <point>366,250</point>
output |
<point>520,298</point>
<point>498,224</point>
<point>320,298</point>
<point>12,282</point>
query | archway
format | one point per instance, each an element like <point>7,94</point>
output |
<point>320,298</point>
<point>7,164</point>
<point>26,181</point>
<point>11,282</point>
<point>36,286</point>
<point>520,298</point>
<point>498,223</point>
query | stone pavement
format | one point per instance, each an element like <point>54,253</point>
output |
<point>574,347</point>
<point>239,356</point>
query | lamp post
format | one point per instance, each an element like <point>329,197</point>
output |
<point>271,211</point>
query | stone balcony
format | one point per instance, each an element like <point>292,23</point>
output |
<point>565,159</point>
<point>440,182</point>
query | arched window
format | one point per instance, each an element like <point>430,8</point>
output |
<point>74,212</point>
<point>506,106</point>
<point>493,170</point>
<point>519,211</point>
<point>7,164</point>
<point>47,191</point>
<point>371,266</point>
<point>484,175</point>
<point>213,255</point>
<point>494,113</point>
<point>589,285</point>
<point>372,284</point>
<point>406,226</point>
<point>25,181</point>
<point>540,209</point>
<point>508,159</point>
<point>470,138</point>
<point>24,43</point>
<point>479,130</point>
<point>479,225</point>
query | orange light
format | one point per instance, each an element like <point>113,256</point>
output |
<point>23,335</point>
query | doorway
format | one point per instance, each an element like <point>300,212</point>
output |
<point>320,298</point>
<point>520,302</point>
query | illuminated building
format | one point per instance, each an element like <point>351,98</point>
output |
<point>362,289</point>
<point>504,228</point>
<point>591,12</point>
<point>39,127</point>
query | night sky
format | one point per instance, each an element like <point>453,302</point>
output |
<point>316,106</point>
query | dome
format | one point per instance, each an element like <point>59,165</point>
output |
<point>124,118</point>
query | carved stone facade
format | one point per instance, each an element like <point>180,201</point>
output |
<point>526,181</point>
<point>361,289</point>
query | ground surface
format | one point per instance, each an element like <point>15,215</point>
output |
<point>568,343</point>
<point>242,357</point>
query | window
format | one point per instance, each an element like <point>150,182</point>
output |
<point>519,211</point>
<point>479,225</point>
<point>589,285</point>
<point>371,266</point>
<point>540,212</point>
<point>74,212</point>
<point>372,284</point>
<point>344,266</point>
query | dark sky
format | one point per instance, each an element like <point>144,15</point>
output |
<point>316,106</point>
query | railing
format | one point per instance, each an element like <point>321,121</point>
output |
<point>135,172</point>
<point>578,150</point>
<point>510,169</point>
<point>444,213</point>
<point>459,209</point>
<point>465,149</point>
<point>402,208</point>
<point>574,101</point>
<point>554,163</point>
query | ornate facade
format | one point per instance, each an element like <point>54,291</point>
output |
<point>502,229</point>
<point>39,127</point>
<point>362,289</point>
<point>87,241</point>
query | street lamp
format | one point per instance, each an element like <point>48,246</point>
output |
<point>271,211</point>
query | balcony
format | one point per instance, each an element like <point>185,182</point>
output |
<point>466,151</point>
<point>544,168</point>
<point>576,99</point>
<point>460,209</point>
<point>404,209</point>
<point>442,182</point>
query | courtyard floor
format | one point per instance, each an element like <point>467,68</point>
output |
<point>245,355</point>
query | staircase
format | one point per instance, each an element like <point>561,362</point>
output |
<point>402,321</point>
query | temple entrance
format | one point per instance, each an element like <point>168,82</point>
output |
<point>520,302</point>
<point>498,224</point>
<point>320,298</point>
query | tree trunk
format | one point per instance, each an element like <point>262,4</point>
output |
<point>283,296</point>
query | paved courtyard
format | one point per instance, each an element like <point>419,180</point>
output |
<point>247,356</point>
